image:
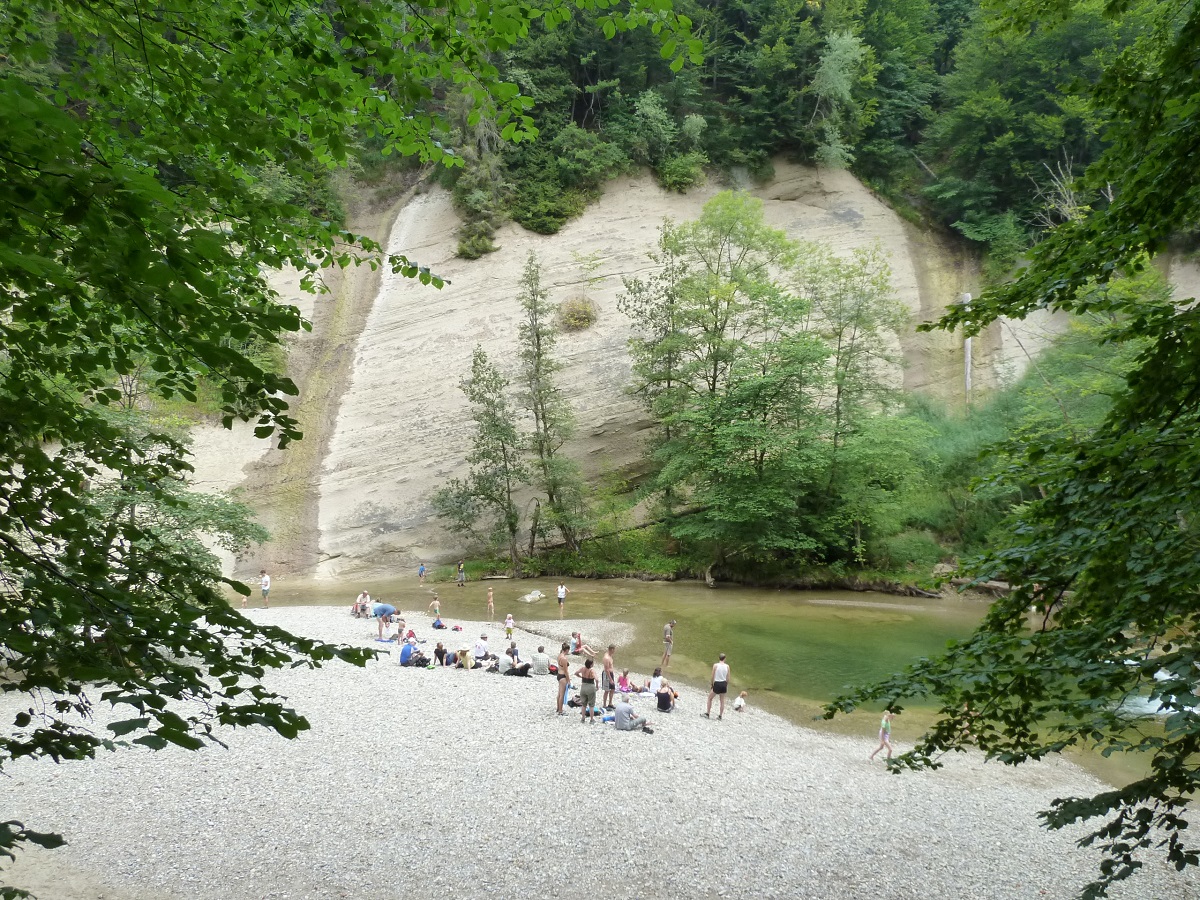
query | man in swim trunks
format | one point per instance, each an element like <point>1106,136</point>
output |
<point>608,681</point>
<point>564,676</point>
<point>383,612</point>
<point>668,642</point>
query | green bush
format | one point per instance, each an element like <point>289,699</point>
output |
<point>475,240</point>
<point>544,207</point>
<point>576,313</point>
<point>680,173</point>
<point>908,550</point>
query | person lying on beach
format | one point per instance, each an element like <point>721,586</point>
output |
<point>438,623</point>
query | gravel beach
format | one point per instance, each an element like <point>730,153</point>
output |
<point>431,783</point>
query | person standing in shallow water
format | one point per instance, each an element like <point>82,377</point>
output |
<point>668,642</point>
<point>562,597</point>
<point>265,584</point>
<point>421,573</point>
<point>462,573</point>
<point>885,734</point>
<point>720,686</point>
<point>491,607</point>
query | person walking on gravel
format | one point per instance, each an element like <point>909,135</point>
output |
<point>720,686</point>
<point>885,734</point>
<point>668,642</point>
<point>564,677</point>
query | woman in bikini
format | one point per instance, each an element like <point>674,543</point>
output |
<point>564,676</point>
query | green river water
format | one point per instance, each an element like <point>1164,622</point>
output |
<point>791,650</point>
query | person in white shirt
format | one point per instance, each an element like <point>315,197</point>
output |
<point>481,650</point>
<point>265,584</point>
<point>720,686</point>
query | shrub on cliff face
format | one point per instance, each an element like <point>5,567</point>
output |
<point>577,313</point>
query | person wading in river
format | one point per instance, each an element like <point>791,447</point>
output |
<point>668,642</point>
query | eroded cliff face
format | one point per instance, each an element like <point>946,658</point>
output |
<point>402,428</point>
<point>386,424</point>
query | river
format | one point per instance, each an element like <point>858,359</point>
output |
<point>792,651</point>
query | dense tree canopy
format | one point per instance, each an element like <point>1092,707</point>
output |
<point>1108,548</point>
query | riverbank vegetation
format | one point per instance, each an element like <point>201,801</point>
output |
<point>783,452</point>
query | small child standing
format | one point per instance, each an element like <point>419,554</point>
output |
<point>509,625</point>
<point>739,705</point>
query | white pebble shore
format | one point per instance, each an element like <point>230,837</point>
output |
<point>439,783</point>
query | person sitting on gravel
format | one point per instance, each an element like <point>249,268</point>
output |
<point>407,651</point>
<point>541,662</point>
<point>578,647</point>
<point>515,667</point>
<point>465,659</point>
<point>654,683</point>
<point>623,684</point>
<point>503,664</point>
<point>665,697</point>
<point>362,606</point>
<point>625,719</point>
<point>440,655</point>
<point>383,612</point>
<point>482,655</point>
<point>438,623</point>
